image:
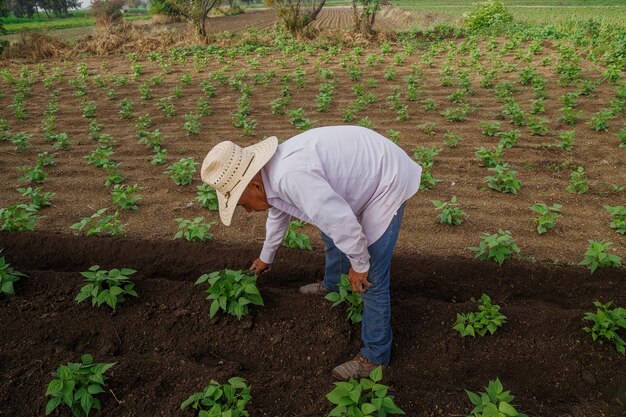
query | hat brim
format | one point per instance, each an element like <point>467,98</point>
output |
<point>263,152</point>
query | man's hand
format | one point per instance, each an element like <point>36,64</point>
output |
<point>358,280</point>
<point>259,267</point>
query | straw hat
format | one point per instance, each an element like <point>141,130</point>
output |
<point>229,169</point>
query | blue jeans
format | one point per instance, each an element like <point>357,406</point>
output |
<point>376,325</point>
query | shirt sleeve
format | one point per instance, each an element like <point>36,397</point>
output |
<point>275,229</point>
<point>327,210</point>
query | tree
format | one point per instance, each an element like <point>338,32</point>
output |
<point>107,12</point>
<point>58,7</point>
<point>4,12</point>
<point>23,8</point>
<point>364,15</point>
<point>195,11</point>
<point>161,7</point>
<point>296,14</point>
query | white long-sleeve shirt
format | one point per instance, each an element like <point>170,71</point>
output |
<point>348,181</point>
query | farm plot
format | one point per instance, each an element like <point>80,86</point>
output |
<point>165,347</point>
<point>521,139</point>
<point>479,116</point>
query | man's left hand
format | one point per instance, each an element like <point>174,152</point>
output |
<point>358,280</point>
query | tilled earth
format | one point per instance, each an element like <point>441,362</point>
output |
<point>165,347</point>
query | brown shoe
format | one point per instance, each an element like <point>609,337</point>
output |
<point>314,289</point>
<point>359,367</point>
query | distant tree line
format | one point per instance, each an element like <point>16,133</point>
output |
<point>28,8</point>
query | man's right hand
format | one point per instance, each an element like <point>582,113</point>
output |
<point>259,267</point>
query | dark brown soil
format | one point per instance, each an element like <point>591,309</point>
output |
<point>166,347</point>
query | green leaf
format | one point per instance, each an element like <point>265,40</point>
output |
<point>55,387</point>
<point>368,408</point>
<point>507,409</point>
<point>53,404</point>
<point>215,306</point>
<point>377,374</point>
<point>94,389</point>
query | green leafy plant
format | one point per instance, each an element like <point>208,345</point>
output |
<point>487,319</point>
<point>126,196</point>
<point>76,385</point>
<point>89,109</point>
<point>296,117</point>
<point>33,174</point>
<point>547,216</point>
<point>8,277</point>
<point>194,230</point>
<point>296,240</point>
<point>450,213</point>
<point>167,107</point>
<point>490,129</point>
<point>231,291</point>
<point>566,140</point>
<point>451,140</point>
<point>108,287</point>
<point>20,140</point>
<point>182,172</point>
<point>578,181</point>
<point>38,199</point>
<point>497,247</point>
<point>207,197</point>
<point>600,120</point>
<point>494,402</point>
<point>425,155</point>
<point>508,139</point>
<point>366,397</point>
<point>618,218</point>
<point>126,108</point>
<point>192,124</point>
<point>18,217</point>
<point>503,180</point>
<point>344,294</point>
<point>621,135</point>
<point>101,225</point>
<point>490,158</point>
<point>596,256</point>
<point>607,323</point>
<point>217,400</point>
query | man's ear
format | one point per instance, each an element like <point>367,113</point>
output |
<point>257,182</point>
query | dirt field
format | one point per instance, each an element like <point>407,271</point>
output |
<point>166,347</point>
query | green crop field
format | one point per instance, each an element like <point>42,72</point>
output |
<point>79,18</point>
<point>533,11</point>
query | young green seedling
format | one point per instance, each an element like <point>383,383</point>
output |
<point>76,385</point>
<point>344,294</point>
<point>294,239</point>
<point>607,324</point>
<point>207,197</point>
<point>578,182</point>
<point>366,397</point>
<point>99,225</point>
<point>494,402</point>
<point>229,399</point>
<point>231,291</point>
<point>487,319</point>
<point>108,287</point>
<point>596,256</point>
<point>18,217</point>
<point>547,216</point>
<point>8,277</point>
<point>503,180</point>
<point>126,196</point>
<point>194,230</point>
<point>450,213</point>
<point>497,247</point>
<point>618,218</point>
<point>182,172</point>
